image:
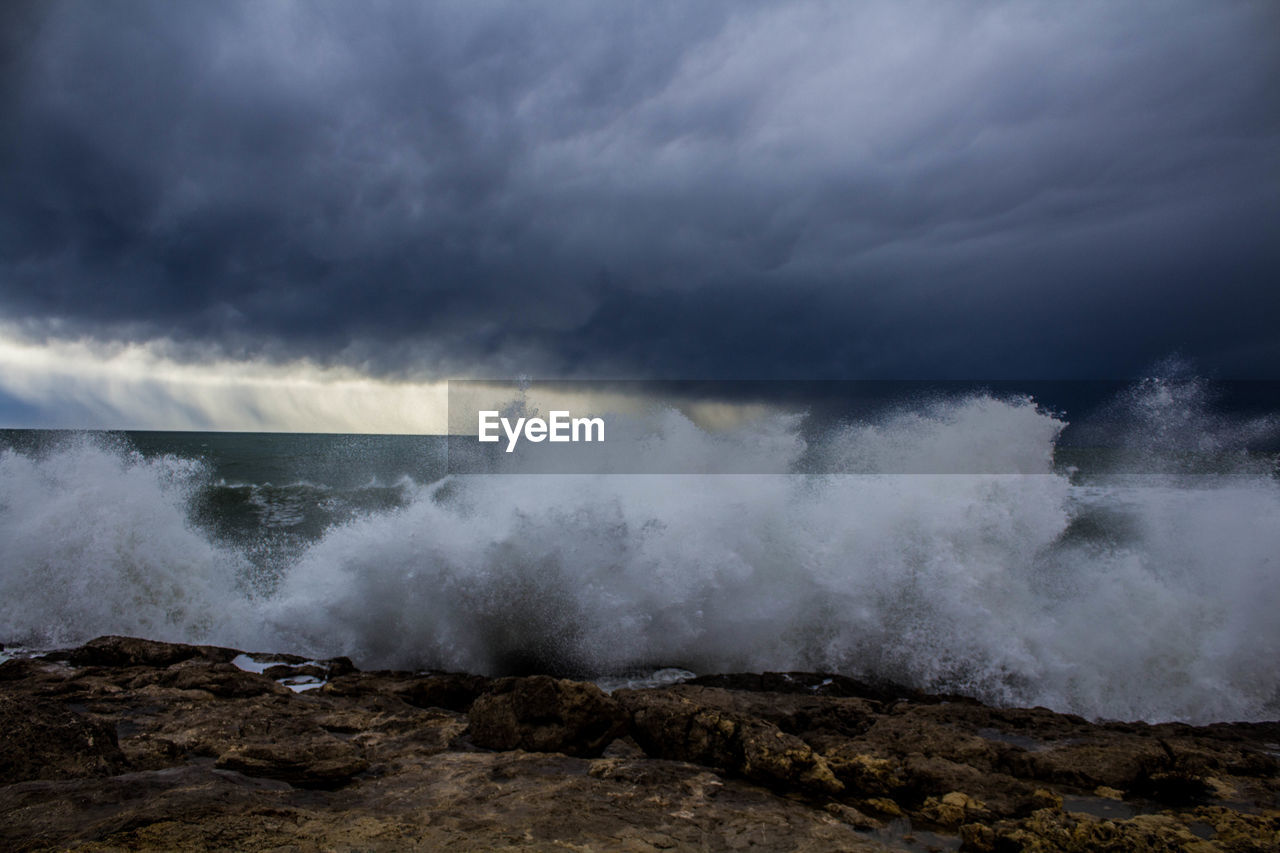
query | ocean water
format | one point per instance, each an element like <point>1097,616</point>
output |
<point>1139,579</point>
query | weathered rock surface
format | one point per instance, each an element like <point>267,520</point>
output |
<point>319,761</point>
<point>133,651</point>
<point>39,742</point>
<point>671,724</point>
<point>545,714</point>
<point>132,744</point>
<point>452,690</point>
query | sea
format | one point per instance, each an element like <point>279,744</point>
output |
<point>1121,563</point>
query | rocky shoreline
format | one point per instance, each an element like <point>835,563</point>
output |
<point>139,745</point>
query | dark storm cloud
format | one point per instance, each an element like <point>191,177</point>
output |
<point>673,189</point>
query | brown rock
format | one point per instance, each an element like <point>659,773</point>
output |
<point>544,714</point>
<point>863,774</point>
<point>1060,832</point>
<point>797,713</point>
<point>454,691</point>
<point>952,809</point>
<point>674,727</point>
<point>46,741</point>
<point>819,685</point>
<point>1112,762</point>
<point>319,761</point>
<point>219,679</point>
<point>224,759</point>
<point>467,801</point>
<point>450,690</point>
<point>132,651</point>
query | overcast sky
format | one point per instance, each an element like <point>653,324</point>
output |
<point>396,191</point>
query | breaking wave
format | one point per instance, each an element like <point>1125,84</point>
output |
<point>1110,595</point>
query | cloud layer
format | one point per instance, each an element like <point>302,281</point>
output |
<point>795,190</point>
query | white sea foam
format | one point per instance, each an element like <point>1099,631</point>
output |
<point>986,583</point>
<point>95,540</point>
<point>296,683</point>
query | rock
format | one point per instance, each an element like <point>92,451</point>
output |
<point>623,747</point>
<point>450,690</point>
<point>1043,798</point>
<point>674,727</point>
<point>455,691</point>
<point>852,816</point>
<point>341,665</point>
<point>863,774</point>
<point>15,669</point>
<point>543,714</point>
<point>320,761</point>
<point>1060,832</point>
<point>797,713</point>
<point>131,651</point>
<point>816,684</point>
<point>219,679</point>
<point>884,806</point>
<point>46,741</point>
<point>277,658</point>
<point>173,749</point>
<point>371,683</point>
<point>1102,762</point>
<point>952,809</point>
<point>44,815</point>
<point>452,801</point>
<point>286,666</point>
<point>286,670</point>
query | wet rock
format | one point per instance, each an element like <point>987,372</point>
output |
<point>132,651</point>
<point>450,690</point>
<point>909,757</point>
<point>225,759</point>
<point>286,670</point>
<point>865,775</point>
<point>318,761</point>
<point>675,727</point>
<point>219,679</point>
<point>286,666</point>
<point>368,683</point>
<point>453,801</point>
<point>454,691</point>
<point>623,747</point>
<point>852,816</point>
<point>46,741</point>
<point>16,669</point>
<point>277,658</point>
<point>543,714</point>
<point>59,814</point>
<point>1043,798</point>
<point>1235,830</point>
<point>1113,763</point>
<point>341,665</point>
<point>815,684</point>
<point>952,809</point>
<point>797,713</point>
<point>1061,832</point>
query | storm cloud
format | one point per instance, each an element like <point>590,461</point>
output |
<point>649,189</point>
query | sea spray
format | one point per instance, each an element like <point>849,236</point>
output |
<point>989,570</point>
<point>95,539</point>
